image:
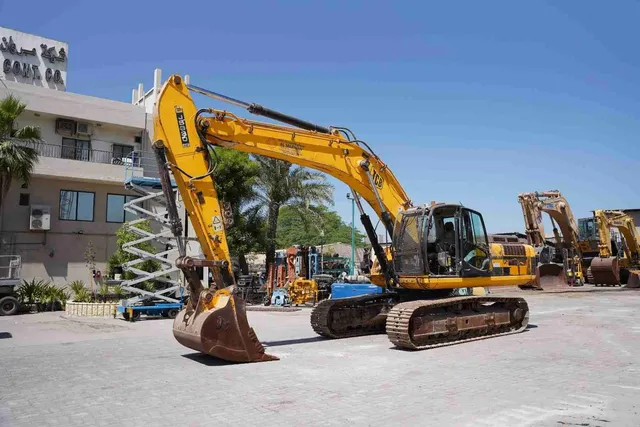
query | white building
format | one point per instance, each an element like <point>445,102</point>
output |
<point>79,180</point>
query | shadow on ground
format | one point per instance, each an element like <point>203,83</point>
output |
<point>208,360</point>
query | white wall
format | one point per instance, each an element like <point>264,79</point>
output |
<point>103,137</point>
<point>78,107</point>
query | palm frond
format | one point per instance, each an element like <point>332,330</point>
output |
<point>27,133</point>
<point>10,109</point>
<point>17,161</point>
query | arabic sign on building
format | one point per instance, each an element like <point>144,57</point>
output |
<point>34,60</point>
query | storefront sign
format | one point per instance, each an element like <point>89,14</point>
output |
<point>30,59</point>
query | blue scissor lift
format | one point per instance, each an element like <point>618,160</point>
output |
<point>161,302</point>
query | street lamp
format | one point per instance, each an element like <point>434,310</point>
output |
<point>353,234</point>
<point>321,251</point>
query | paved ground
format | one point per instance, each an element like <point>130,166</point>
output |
<point>577,365</point>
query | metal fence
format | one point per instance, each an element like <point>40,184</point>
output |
<point>139,164</point>
<point>82,154</point>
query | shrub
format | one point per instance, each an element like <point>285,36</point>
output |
<point>34,291</point>
<point>77,286</point>
<point>52,295</point>
<point>82,296</point>
<point>119,292</point>
<point>61,296</point>
<point>103,292</point>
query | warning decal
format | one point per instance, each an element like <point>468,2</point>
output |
<point>217,223</point>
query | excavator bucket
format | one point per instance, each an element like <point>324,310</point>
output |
<point>548,276</point>
<point>634,279</point>
<point>605,271</point>
<point>219,327</point>
<point>551,276</point>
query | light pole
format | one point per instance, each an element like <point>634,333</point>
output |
<point>321,251</point>
<point>353,234</point>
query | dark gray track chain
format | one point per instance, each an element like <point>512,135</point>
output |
<point>320,317</point>
<point>399,317</point>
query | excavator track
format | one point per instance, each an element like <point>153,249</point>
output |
<point>351,317</point>
<point>423,324</point>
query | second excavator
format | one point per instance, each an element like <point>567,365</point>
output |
<point>560,263</point>
<point>613,269</point>
<point>438,253</point>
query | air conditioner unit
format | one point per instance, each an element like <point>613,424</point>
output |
<point>40,218</point>
<point>65,127</point>
<point>84,129</point>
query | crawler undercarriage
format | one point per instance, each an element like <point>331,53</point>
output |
<point>421,323</point>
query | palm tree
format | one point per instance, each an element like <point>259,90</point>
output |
<point>17,160</point>
<point>280,183</point>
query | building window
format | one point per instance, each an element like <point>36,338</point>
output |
<point>76,149</point>
<point>122,154</point>
<point>24,199</point>
<point>115,208</point>
<point>76,205</point>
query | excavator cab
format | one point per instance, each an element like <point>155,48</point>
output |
<point>441,240</point>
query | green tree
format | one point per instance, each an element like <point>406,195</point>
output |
<point>281,184</point>
<point>120,256</point>
<point>297,227</point>
<point>235,176</point>
<point>17,159</point>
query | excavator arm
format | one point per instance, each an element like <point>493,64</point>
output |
<point>558,209</point>
<point>566,265</point>
<point>185,138</point>
<point>605,220</point>
<point>334,151</point>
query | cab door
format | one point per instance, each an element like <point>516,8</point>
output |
<point>474,255</point>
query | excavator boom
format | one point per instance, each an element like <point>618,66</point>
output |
<point>559,265</point>
<point>439,252</point>
<point>611,270</point>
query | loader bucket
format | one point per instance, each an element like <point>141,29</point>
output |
<point>605,271</point>
<point>219,327</point>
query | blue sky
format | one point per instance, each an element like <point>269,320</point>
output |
<point>468,102</point>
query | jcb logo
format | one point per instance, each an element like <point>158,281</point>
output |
<point>377,179</point>
<point>182,126</point>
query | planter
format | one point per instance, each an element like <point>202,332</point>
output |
<point>90,309</point>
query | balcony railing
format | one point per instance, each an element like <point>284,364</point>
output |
<point>82,154</point>
<point>140,164</point>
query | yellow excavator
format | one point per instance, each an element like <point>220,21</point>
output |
<point>439,252</point>
<point>559,264</point>
<point>614,270</point>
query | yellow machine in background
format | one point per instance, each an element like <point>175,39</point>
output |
<point>611,270</point>
<point>560,264</point>
<point>436,250</point>
<point>303,291</point>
